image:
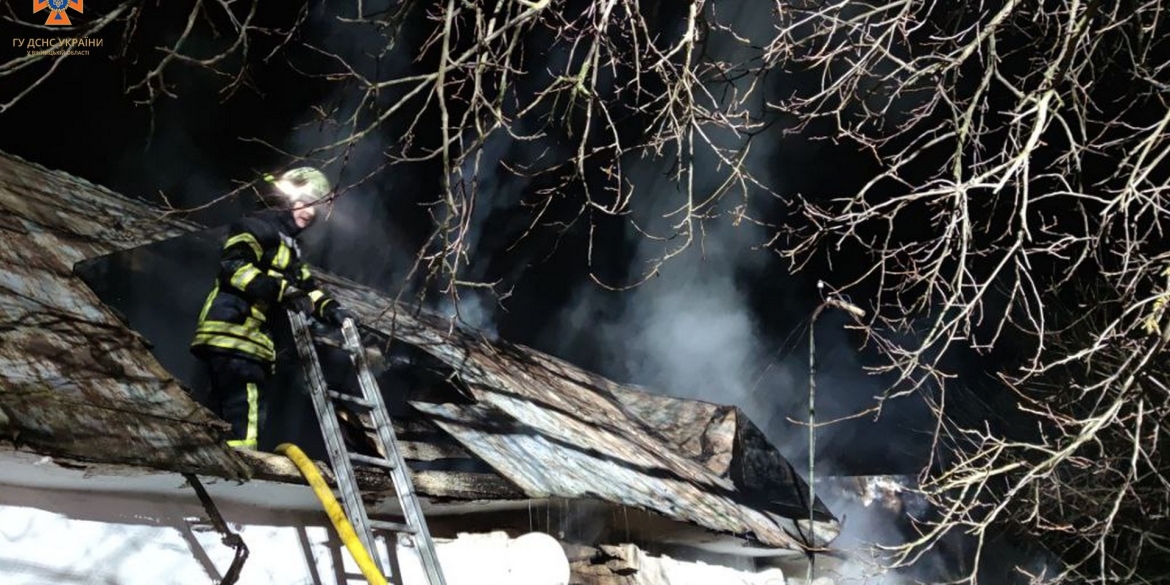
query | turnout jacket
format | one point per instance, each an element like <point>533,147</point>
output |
<point>259,261</point>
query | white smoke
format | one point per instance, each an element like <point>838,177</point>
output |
<point>692,331</point>
<point>359,237</point>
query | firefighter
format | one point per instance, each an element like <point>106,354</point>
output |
<point>260,273</point>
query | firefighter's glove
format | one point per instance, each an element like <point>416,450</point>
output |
<point>296,300</point>
<point>335,315</point>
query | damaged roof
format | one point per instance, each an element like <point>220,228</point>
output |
<point>76,381</point>
<point>555,430</point>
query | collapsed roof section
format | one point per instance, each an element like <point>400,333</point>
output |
<point>76,382</point>
<point>555,430</point>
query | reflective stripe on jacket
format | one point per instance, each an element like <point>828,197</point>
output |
<point>258,262</point>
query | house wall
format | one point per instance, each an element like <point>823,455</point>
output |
<point>76,537</point>
<point>73,538</point>
<point>629,565</point>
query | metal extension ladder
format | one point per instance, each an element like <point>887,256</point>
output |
<point>415,529</point>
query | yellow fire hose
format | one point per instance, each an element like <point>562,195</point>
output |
<point>336,514</point>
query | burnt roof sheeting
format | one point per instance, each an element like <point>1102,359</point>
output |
<point>729,444</point>
<point>557,431</point>
<point>75,381</point>
<point>700,430</point>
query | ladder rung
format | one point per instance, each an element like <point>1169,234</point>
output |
<point>392,527</point>
<point>378,461</point>
<point>321,340</point>
<point>362,402</point>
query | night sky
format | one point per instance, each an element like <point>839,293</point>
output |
<point>729,294</point>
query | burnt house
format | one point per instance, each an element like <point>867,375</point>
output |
<point>100,416</point>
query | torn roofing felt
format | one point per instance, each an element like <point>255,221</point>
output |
<point>77,382</point>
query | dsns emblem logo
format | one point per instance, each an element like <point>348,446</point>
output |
<point>57,8</point>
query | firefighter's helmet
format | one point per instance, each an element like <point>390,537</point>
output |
<point>302,185</point>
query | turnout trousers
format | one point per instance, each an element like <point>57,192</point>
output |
<point>236,385</point>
